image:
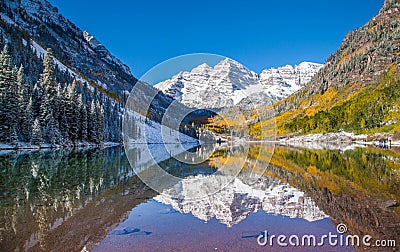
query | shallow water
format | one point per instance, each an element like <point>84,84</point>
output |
<point>69,201</point>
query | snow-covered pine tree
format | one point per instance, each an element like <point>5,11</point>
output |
<point>107,123</point>
<point>26,122</point>
<point>36,138</point>
<point>83,127</point>
<point>49,88</point>
<point>3,96</point>
<point>72,112</point>
<point>100,122</point>
<point>13,101</point>
<point>52,133</point>
<point>117,126</point>
<point>8,98</point>
<point>14,136</point>
<point>60,116</point>
<point>25,104</point>
<point>64,129</point>
<point>57,105</point>
<point>92,123</point>
<point>37,94</point>
<point>45,113</point>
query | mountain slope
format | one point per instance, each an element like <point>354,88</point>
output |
<point>228,83</point>
<point>76,49</point>
<point>356,88</point>
<point>362,57</point>
<point>365,53</point>
<point>29,27</point>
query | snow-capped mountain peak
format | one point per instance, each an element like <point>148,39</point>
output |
<point>228,83</point>
<point>223,85</point>
<point>204,66</point>
<point>283,81</point>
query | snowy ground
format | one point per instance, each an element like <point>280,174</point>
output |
<point>153,142</point>
<point>340,140</point>
<point>150,132</point>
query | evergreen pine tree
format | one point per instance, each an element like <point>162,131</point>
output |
<point>116,123</point>
<point>92,129</point>
<point>36,100</point>
<point>72,112</point>
<point>83,119</point>
<point>100,123</point>
<point>26,123</point>
<point>8,98</point>
<point>36,138</point>
<point>14,136</point>
<point>48,78</point>
<point>3,95</point>
<point>52,133</point>
<point>49,88</point>
<point>59,105</point>
<point>61,116</point>
<point>25,105</point>
<point>64,129</point>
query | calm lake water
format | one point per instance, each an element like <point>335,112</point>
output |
<point>92,200</point>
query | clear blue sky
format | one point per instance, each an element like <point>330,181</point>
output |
<point>259,34</point>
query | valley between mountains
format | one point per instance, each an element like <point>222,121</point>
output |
<point>92,158</point>
<point>354,91</point>
<point>353,96</point>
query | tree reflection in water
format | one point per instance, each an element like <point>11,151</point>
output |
<point>66,200</point>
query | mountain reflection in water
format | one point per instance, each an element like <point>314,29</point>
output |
<point>70,200</point>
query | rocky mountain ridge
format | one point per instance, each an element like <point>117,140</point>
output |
<point>76,49</point>
<point>363,56</point>
<point>30,27</point>
<point>229,83</point>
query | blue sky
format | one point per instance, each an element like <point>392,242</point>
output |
<point>258,34</point>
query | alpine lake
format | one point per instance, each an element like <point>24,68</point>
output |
<point>92,200</point>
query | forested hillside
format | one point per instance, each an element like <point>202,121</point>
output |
<point>357,89</point>
<point>48,111</point>
<point>70,95</point>
<point>375,108</point>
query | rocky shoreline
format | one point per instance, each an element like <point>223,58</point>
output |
<point>22,146</point>
<point>339,139</point>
